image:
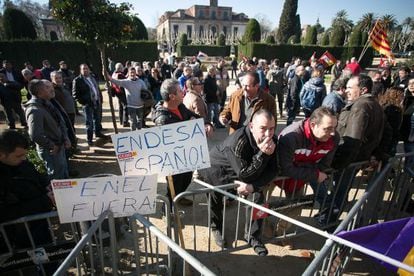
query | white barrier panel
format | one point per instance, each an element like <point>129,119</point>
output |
<point>86,198</point>
<point>164,150</point>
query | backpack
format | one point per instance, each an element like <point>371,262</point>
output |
<point>310,98</point>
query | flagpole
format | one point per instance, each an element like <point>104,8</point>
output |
<point>367,42</point>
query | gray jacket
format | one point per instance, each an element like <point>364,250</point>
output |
<point>132,91</point>
<point>45,128</point>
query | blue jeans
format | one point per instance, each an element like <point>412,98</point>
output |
<point>56,164</point>
<point>93,119</point>
<point>213,113</point>
<point>136,116</point>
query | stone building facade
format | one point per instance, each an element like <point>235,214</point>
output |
<point>202,24</point>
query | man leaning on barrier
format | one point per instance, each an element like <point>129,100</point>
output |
<point>248,155</point>
<point>306,149</point>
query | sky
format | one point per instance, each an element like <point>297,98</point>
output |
<point>309,10</point>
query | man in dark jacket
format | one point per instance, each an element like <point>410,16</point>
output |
<point>172,110</point>
<point>248,155</point>
<point>360,125</point>
<point>86,91</point>
<point>292,98</point>
<point>23,191</point>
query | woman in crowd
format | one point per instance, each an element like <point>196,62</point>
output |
<point>155,81</point>
<point>193,99</point>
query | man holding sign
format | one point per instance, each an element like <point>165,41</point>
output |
<point>248,155</point>
<point>172,110</point>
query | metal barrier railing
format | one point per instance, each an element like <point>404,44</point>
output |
<point>286,196</point>
<point>35,241</point>
<point>186,257</point>
<point>387,198</point>
<point>317,231</point>
<point>145,250</point>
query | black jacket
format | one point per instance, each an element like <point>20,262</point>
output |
<point>239,158</point>
<point>163,116</point>
<point>22,191</point>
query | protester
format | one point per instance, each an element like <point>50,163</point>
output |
<point>292,97</point>
<point>47,129</point>
<point>276,80</point>
<point>313,92</point>
<point>193,99</point>
<point>244,102</point>
<point>172,110</point>
<point>86,91</point>
<point>336,100</point>
<point>247,155</point>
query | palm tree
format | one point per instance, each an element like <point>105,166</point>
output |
<point>341,20</point>
<point>389,21</point>
<point>367,21</point>
<point>406,26</point>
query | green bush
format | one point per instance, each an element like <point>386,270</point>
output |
<point>285,52</point>
<point>73,52</point>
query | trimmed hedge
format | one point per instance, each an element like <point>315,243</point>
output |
<point>211,50</point>
<point>285,52</point>
<point>73,52</point>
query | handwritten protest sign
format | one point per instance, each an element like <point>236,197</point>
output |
<point>85,199</point>
<point>163,150</point>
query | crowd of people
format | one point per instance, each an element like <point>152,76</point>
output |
<point>361,117</point>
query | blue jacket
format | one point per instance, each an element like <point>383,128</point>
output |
<point>334,102</point>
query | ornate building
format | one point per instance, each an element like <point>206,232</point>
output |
<point>202,24</point>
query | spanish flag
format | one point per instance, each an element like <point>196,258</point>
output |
<point>327,59</point>
<point>394,239</point>
<point>379,40</point>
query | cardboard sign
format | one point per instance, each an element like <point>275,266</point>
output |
<point>163,150</point>
<point>85,199</point>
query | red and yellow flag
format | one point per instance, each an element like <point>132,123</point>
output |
<point>379,40</point>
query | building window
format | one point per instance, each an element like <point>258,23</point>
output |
<point>200,14</point>
<point>201,31</point>
<point>189,31</point>
<point>235,31</point>
<point>225,15</point>
<point>213,15</point>
<point>175,30</point>
<point>213,31</point>
<point>225,30</point>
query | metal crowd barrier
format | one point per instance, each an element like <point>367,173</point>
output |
<point>390,197</point>
<point>284,196</point>
<point>148,249</point>
<point>153,256</point>
<point>35,244</point>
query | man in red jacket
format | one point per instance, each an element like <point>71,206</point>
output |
<point>305,150</point>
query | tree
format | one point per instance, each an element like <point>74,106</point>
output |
<point>270,39</point>
<point>311,35</point>
<point>264,22</point>
<point>325,39</point>
<point>338,36</point>
<point>287,22</point>
<point>252,32</point>
<point>367,22</point>
<point>96,22</point>
<point>318,26</point>
<point>139,31</point>
<point>183,40</point>
<point>221,40</point>
<point>356,37</point>
<point>17,25</point>
<point>298,29</point>
<point>341,21</point>
<point>35,11</point>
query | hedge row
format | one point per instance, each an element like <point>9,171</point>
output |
<point>73,52</point>
<point>285,52</point>
<point>211,50</point>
